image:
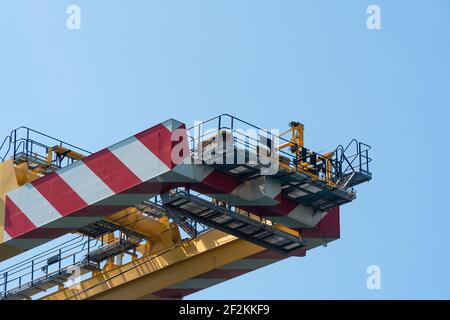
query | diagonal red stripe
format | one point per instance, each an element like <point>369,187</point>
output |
<point>158,141</point>
<point>99,211</point>
<point>221,181</point>
<point>16,222</point>
<point>60,195</point>
<point>111,170</point>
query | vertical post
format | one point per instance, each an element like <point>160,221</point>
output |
<point>195,230</point>
<point>32,271</point>
<point>59,262</point>
<point>5,276</point>
<point>367,160</point>
<point>14,143</point>
<point>28,139</point>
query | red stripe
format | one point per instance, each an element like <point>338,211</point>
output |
<point>221,181</point>
<point>174,293</point>
<point>267,254</point>
<point>298,253</point>
<point>111,170</point>
<point>99,211</point>
<point>286,205</point>
<point>158,141</point>
<point>59,194</point>
<point>328,227</point>
<point>222,274</point>
<point>47,233</point>
<point>16,222</point>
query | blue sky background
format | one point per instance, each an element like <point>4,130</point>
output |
<point>136,63</point>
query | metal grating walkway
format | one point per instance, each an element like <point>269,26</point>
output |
<point>232,222</point>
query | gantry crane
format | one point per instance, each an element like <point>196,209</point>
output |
<point>168,211</point>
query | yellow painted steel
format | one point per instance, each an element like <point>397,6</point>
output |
<point>161,233</point>
<point>141,278</point>
<point>296,143</point>
<point>11,177</point>
<point>66,152</point>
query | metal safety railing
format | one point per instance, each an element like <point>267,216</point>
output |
<point>44,264</point>
<point>81,251</point>
<point>27,144</point>
<point>354,158</point>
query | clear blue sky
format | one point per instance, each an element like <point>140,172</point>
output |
<point>136,63</point>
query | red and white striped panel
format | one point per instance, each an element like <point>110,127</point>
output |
<point>88,190</point>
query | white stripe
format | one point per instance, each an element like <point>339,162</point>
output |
<point>6,236</point>
<point>172,125</point>
<point>195,172</point>
<point>306,216</point>
<point>138,158</point>
<point>33,204</point>
<point>85,182</point>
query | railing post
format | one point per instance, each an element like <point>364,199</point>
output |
<point>26,144</point>
<point>360,156</point>
<point>32,271</point>
<point>367,160</point>
<point>14,143</point>
<point>5,276</point>
<point>59,262</point>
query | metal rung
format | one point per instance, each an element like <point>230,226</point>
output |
<point>98,229</point>
<point>111,250</point>
<point>242,226</point>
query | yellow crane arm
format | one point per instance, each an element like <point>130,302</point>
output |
<point>142,278</point>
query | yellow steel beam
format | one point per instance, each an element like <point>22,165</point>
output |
<point>66,152</point>
<point>160,232</point>
<point>141,278</point>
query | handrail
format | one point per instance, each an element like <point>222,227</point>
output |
<point>50,137</point>
<point>341,162</point>
<point>33,145</point>
<point>9,147</point>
